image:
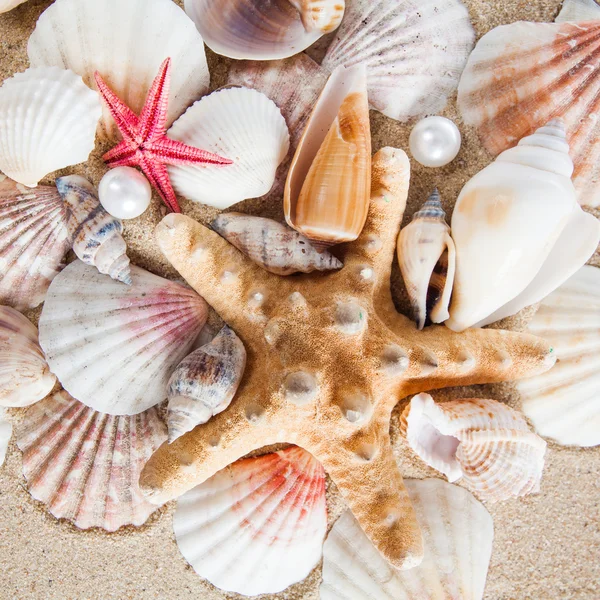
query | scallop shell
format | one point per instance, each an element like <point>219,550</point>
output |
<point>85,465</point>
<point>97,235</point>
<point>257,526</point>
<point>261,30</point>
<point>242,125</point>
<point>428,277</point>
<point>6,5</point>
<point>520,76</point>
<point>34,238</point>
<point>114,347</point>
<point>484,442</point>
<point>457,532</point>
<point>578,10</point>
<point>564,403</point>
<point>48,120</point>
<point>6,429</point>
<point>24,374</point>
<point>126,41</point>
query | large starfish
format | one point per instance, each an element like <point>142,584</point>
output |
<point>145,143</point>
<point>328,359</point>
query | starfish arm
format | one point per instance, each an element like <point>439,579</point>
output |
<point>121,155</point>
<point>126,120</point>
<point>153,119</point>
<point>158,176</point>
<point>173,152</point>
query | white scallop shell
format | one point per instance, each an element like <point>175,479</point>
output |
<point>85,465</point>
<point>113,347</point>
<point>6,429</point>
<point>578,10</point>
<point>126,41</point>
<point>257,526</point>
<point>48,120</point>
<point>457,534</point>
<point>240,124</point>
<point>564,403</point>
<point>6,5</point>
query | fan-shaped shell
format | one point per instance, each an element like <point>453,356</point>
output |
<point>114,347</point>
<point>240,124</point>
<point>6,5</point>
<point>257,526</point>
<point>564,403</point>
<point>48,120</point>
<point>5,434</point>
<point>126,41</point>
<point>457,534</point>
<point>484,442</point>
<point>85,465</point>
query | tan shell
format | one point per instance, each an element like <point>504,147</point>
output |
<point>6,430</point>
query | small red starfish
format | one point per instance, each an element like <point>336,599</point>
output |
<point>145,143</point>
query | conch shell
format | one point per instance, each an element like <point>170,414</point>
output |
<point>275,247</point>
<point>97,235</point>
<point>426,256</point>
<point>519,231</point>
<point>329,182</point>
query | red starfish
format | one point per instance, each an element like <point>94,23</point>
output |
<point>145,143</point>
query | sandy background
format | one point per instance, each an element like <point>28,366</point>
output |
<point>547,547</point>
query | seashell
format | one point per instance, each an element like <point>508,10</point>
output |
<point>518,230</point>
<point>126,49</point>
<point>414,50</point>
<point>114,347</point>
<point>521,76</point>
<point>85,465</point>
<point>328,186</point>
<point>34,239</point>
<point>428,277</point>
<point>563,404</point>
<point>48,120</point>
<point>273,246</point>
<point>259,30</point>
<point>24,374</point>
<point>97,235</point>
<point>457,532</point>
<point>257,526</point>
<point>578,10</point>
<point>5,6</point>
<point>5,434</point>
<point>241,124</point>
<point>484,442</point>
<point>205,382</point>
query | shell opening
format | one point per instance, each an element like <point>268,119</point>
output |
<point>440,447</point>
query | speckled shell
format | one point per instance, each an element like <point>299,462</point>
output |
<point>564,403</point>
<point>85,465</point>
<point>97,235</point>
<point>457,531</point>
<point>484,442</point>
<point>24,374</point>
<point>6,429</point>
<point>6,5</point>
<point>257,526</point>
<point>34,238</point>
<point>114,347</point>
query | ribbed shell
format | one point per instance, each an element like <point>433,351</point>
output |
<point>564,403</point>
<point>85,465</point>
<point>457,533</point>
<point>114,347</point>
<point>484,442</point>
<point>6,429</point>
<point>257,526</point>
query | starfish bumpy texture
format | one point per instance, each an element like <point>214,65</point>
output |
<point>145,143</point>
<point>328,359</point>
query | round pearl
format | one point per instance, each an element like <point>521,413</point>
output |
<point>125,193</point>
<point>434,141</point>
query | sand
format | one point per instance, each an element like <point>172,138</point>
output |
<point>546,547</point>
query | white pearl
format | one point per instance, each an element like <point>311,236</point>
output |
<point>125,193</point>
<point>434,141</point>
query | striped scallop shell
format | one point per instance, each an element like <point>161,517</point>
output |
<point>85,465</point>
<point>564,403</point>
<point>257,526</point>
<point>483,442</point>
<point>6,429</point>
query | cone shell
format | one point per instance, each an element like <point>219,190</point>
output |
<point>426,256</point>
<point>240,124</point>
<point>48,120</point>
<point>257,526</point>
<point>328,187</point>
<point>578,10</point>
<point>484,442</point>
<point>126,41</point>
<point>97,235</point>
<point>85,465</point>
<point>114,347</point>
<point>5,434</point>
<point>564,403</point>
<point>6,5</point>
<point>457,533</point>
